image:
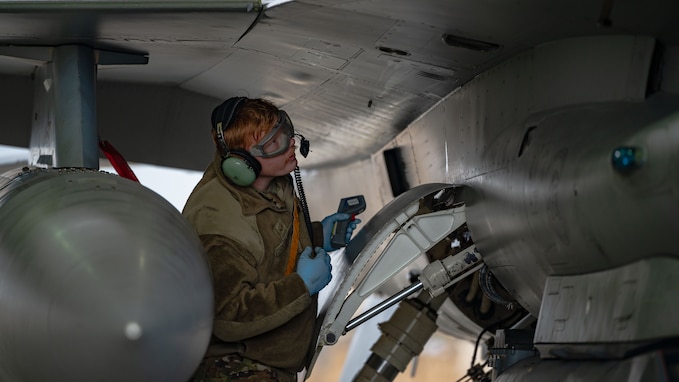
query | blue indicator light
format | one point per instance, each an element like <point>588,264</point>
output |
<point>626,158</point>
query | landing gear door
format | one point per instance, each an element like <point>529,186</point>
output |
<point>396,236</point>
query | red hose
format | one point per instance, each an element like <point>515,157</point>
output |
<point>117,161</point>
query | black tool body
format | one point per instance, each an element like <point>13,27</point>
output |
<point>353,206</point>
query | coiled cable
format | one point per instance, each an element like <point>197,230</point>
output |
<point>302,201</point>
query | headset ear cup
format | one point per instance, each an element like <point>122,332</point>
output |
<point>241,168</point>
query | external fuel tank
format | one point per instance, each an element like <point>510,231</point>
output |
<point>100,279</point>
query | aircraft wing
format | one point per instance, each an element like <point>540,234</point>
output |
<point>558,119</point>
<point>352,75</point>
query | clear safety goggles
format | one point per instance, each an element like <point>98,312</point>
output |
<point>277,141</point>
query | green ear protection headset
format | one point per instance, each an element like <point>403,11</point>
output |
<point>239,166</point>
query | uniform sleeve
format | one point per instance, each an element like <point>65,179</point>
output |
<point>245,307</point>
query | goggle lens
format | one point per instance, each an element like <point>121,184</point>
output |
<point>277,141</point>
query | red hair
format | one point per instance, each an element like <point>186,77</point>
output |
<point>255,118</point>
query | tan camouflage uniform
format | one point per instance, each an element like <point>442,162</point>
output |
<point>262,316</point>
<point>236,368</point>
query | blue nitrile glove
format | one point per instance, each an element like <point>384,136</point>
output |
<point>351,228</point>
<point>315,272</point>
<point>329,222</point>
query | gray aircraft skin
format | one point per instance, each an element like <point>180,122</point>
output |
<point>551,128</point>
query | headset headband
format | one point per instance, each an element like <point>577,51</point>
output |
<point>222,116</point>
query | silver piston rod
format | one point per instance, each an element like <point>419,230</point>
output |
<point>435,277</point>
<point>384,305</point>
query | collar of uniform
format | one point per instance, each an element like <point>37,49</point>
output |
<point>253,201</point>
